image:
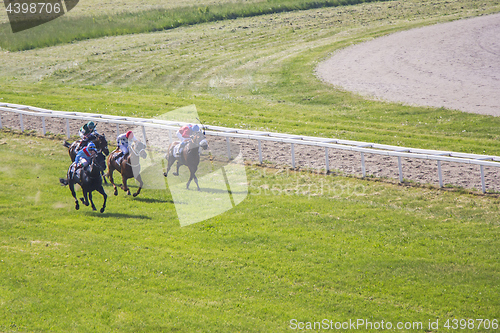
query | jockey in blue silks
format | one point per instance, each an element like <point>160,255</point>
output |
<point>84,157</point>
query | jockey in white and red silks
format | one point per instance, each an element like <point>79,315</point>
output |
<point>184,134</point>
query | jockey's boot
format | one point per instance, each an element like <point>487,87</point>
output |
<point>181,147</point>
<point>119,158</point>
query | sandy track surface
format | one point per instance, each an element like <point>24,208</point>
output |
<point>278,154</point>
<point>453,65</point>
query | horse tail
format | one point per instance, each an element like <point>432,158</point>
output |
<point>66,144</point>
<point>63,181</point>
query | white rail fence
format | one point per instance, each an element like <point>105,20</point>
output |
<point>327,143</point>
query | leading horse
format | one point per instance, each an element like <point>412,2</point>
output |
<point>129,166</point>
<point>101,145</point>
<point>91,180</point>
<point>190,156</point>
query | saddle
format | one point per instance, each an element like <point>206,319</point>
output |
<point>178,149</point>
<point>119,156</point>
<point>78,173</point>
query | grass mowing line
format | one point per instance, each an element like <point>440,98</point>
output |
<point>66,30</point>
<point>361,250</point>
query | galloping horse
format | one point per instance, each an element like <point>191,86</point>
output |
<point>129,167</point>
<point>101,145</point>
<point>190,156</point>
<point>91,180</point>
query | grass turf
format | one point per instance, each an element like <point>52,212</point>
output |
<point>318,247</point>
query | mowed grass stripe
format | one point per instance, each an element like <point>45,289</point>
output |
<point>81,28</point>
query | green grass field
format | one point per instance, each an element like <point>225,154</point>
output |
<point>318,247</point>
<point>300,246</point>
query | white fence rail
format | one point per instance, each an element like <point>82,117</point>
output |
<point>328,143</point>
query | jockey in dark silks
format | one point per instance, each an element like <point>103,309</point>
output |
<point>87,133</point>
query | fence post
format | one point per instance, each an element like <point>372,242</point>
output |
<point>260,152</point>
<point>228,148</point>
<point>169,137</point>
<point>1,121</point>
<point>21,122</point>
<point>293,156</point>
<point>400,170</point>
<point>117,130</point>
<point>440,175</point>
<point>483,185</point>
<point>67,128</point>
<point>363,169</point>
<point>327,160</point>
<point>43,126</point>
<point>144,135</point>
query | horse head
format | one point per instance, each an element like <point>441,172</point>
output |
<point>97,165</point>
<point>140,149</point>
<point>200,140</point>
<point>102,144</point>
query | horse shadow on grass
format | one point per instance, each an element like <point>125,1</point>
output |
<point>118,215</point>
<point>219,191</point>
<point>151,200</point>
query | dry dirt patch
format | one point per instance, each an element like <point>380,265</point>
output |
<point>453,65</point>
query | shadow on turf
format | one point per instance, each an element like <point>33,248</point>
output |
<point>151,200</point>
<point>118,215</point>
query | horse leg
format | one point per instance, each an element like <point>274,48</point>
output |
<point>196,181</point>
<point>191,177</point>
<point>104,177</point>
<point>101,190</point>
<point>124,185</point>
<point>139,179</point>
<point>171,161</point>
<point>189,181</point>
<point>72,188</point>
<point>85,199</point>
<point>178,166</point>
<point>91,201</point>
<point>111,180</point>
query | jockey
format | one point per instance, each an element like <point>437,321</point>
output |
<point>86,133</point>
<point>184,134</point>
<point>86,129</point>
<point>123,142</point>
<point>84,156</point>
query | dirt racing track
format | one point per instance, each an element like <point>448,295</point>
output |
<point>453,65</point>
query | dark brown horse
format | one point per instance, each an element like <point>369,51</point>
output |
<point>190,156</point>
<point>129,166</point>
<point>99,140</point>
<point>90,180</point>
